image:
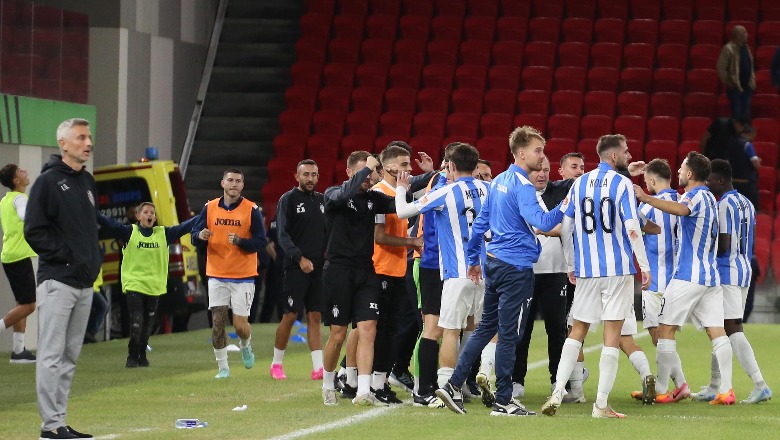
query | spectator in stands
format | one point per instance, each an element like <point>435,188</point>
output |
<point>774,70</point>
<point>735,69</point>
<point>721,132</point>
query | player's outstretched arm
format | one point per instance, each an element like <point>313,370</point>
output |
<point>674,208</point>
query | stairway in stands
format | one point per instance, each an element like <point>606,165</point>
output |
<point>244,97</point>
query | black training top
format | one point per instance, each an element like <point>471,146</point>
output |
<point>300,222</point>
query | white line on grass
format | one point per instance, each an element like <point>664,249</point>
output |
<point>376,412</point>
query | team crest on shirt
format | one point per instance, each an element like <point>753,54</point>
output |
<point>322,208</point>
<point>91,197</point>
<point>370,205</point>
<point>289,301</point>
<point>384,285</point>
<point>335,311</point>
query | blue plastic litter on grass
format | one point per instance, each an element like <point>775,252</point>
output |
<point>233,335</point>
<point>298,338</point>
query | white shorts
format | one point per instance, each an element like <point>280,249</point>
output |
<point>683,300</point>
<point>629,325</point>
<point>734,298</point>
<point>237,296</point>
<point>651,307</point>
<point>460,298</point>
<point>603,298</point>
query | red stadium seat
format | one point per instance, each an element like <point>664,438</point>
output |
<point>708,32</point>
<point>581,9</point>
<point>636,79</point>
<point>673,56</point>
<point>446,28</point>
<point>443,52</point>
<point>544,29</point>
<point>613,9</point>
<point>414,27</point>
<point>467,101</point>
<point>646,9</point>
<point>701,104</point>
<point>540,53</point>
<point>438,75</point>
<point>344,50</point>
<point>311,50</point>
<point>577,30</point>
<point>508,53</point>
<point>301,98</point>
<point>290,144</point>
<point>600,103</point>
<point>323,146</point>
<point>766,204</point>
<point>703,81</point>
<point>352,7</point>
<point>567,102</point>
<point>764,83</point>
<point>371,75</point>
<point>500,101</point>
<point>504,77</point>
<point>768,153</point>
<point>595,126</point>
<point>767,179</point>
<point>763,57</point>
<point>454,8</point>
<point>471,77</point>
<point>538,122</point>
<point>643,31</point>
<point>639,55</point>
<point>316,26</point>
<point>379,51</point>
<point>710,10</point>
<point>669,80</point>
<point>534,102</point>
<point>483,8</point>
<point>328,122</point>
<point>405,75</point>
<point>666,104</point>
<point>603,78</point>
<point>465,125</point>
<point>657,149</point>
<point>334,98</point>
<point>383,7</point>
<point>588,146</point>
<point>633,103</point>
<point>573,55</point>
<point>570,78</point>
<point>606,55</point>
<point>368,99</point>
<point>632,127</point>
<point>563,127</point>
<point>675,32</point>
<point>429,124</point>
<point>685,148</point>
<point>556,147</point>
<point>433,100</point>
<point>693,128</point>
<point>397,124</point>
<point>512,28</point>
<point>548,8</point>
<point>401,99</point>
<point>609,30</point>
<point>417,7</point>
<point>428,144</point>
<point>348,27</point>
<point>362,123</point>
<point>663,128</point>
<point>337,74</point>
<point>769,33</point>
<point>493,147</point>
<point>495,125</point>
<point>765,106</point>
<point>767,130</point>
<point>306,74</point>
<point>537,78</point>
<point>704,56</point>
<point>480,28</point>
<point>409,52</point>
<point>743,10</point>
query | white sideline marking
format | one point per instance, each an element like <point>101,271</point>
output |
<point>376,412</point>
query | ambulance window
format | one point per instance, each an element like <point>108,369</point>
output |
<point>180,194</point>
<point>118,198</point>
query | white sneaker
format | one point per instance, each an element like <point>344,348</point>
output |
<point>606,413</point>
<point>329,397</point>
<point>553,402</point>
<point>368,399</point>
<point>518,390</point>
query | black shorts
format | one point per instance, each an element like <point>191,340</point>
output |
<point>302,290</point>
<point>431,286</point>
<point>351,295</point>
<point>21,277</point>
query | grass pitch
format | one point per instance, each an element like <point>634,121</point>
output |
<point>113,402</point>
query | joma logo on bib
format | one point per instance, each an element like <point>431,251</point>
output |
<point>227,222</point>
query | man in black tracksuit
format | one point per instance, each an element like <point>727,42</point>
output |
<point>300,222</point>
<point>61,227</point>
<point>350,284</point>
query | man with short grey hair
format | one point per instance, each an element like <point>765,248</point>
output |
<point>61,227</point>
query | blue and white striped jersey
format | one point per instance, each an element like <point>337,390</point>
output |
<point>736,217</point>
<point>697,235</point>
<point>600,201</point>
<point>661,248</point>
<point>455,207</point>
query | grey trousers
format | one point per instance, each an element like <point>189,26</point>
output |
<point>63,312</point>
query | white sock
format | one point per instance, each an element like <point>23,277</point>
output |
<point>352,377</point>
<point>576,377</point>
<point>722,348</point>
<point>378,380</point>
<point>444,374</point>
<point>641,364</point>
<point>316,359</point>
<point>244,343</point>
<point>677,375</point>
<point>364,384</point>
<point>744,352</point>
<point>569,354</point>
<point>488,359</point>
<point>714,373</point>
<point>327,380</point>
<point>2,325</point>
<point>608,366</point>
<point>342,371</point>
<point>18,342</point>
<point>278,356</point>
<point>221,355</point>
<point>667,359</point>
